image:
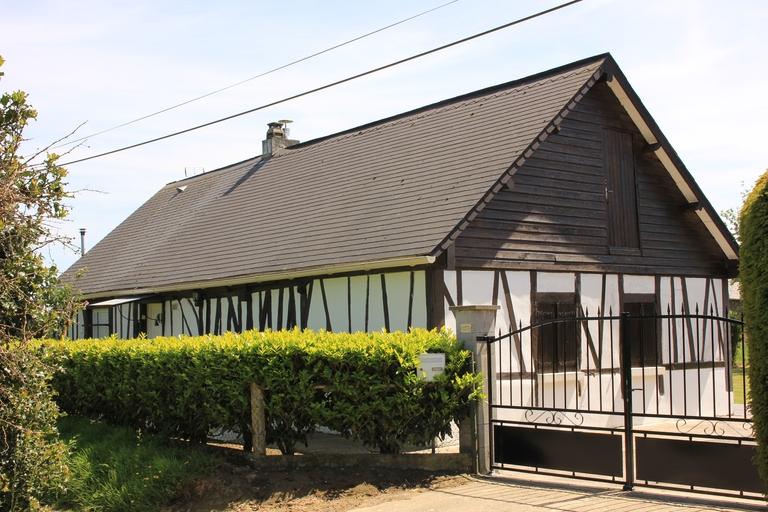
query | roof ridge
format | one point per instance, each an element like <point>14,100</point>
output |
<point>529,80</point>
<point>426,113</point>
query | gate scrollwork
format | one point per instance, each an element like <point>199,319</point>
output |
<point>553,417</point>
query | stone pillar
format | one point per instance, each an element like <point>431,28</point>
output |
<point>471,322</point>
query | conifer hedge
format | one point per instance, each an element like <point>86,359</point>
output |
<point>753,274</point>
<point>364,385</point>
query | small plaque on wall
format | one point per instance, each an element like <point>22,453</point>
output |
<point>431,365</point>
<point>465,328</point>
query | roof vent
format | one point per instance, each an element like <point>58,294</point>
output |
<point>181,188</point>
<point>277,138</point>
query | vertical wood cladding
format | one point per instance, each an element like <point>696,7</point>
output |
<point>620,193</point>
<point>554,214</point>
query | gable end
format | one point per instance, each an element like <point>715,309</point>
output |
<point>564,208</point>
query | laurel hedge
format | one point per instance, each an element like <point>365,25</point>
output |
<point>363,385</point>
<point>753,269</point>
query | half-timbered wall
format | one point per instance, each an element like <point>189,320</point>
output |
<point>571,206</point>
<point>682,362</point>
<point>76,329</point>
<point>394,301</point>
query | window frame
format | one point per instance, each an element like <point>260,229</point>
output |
<point>93,327</point>
<point>639,357</point>
<point>553,365</point>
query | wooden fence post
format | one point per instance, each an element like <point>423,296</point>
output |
<point>258,420</point>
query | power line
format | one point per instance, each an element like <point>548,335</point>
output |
<point>265,73</point>
<point>328,85</point>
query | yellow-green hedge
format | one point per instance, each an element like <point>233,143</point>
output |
<point>753,274</point>
<point>364,385</point>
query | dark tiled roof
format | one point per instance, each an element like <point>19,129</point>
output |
<point>393,188</point>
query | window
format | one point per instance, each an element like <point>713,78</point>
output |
<point>557,343</point>
<point>100,325</point>
<point>620,193</point>
<point>642,331</point>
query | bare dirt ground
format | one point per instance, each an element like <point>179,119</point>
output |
<point>237,487</point>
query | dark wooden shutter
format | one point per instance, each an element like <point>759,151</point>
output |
<point>620,193</point>
<point>557,343</point>
<point>642,329</point>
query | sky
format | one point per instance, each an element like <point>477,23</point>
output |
<point>699,66</point>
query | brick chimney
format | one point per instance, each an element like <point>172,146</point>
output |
<point>277,138</point>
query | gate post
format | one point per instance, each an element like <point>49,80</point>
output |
<point>473,322</point>
<point>626,386</point>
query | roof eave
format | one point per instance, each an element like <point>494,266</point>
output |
<point>324,270</point>
<point>685,182</point>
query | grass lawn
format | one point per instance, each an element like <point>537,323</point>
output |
<point>117,469</point>
<point>739,380</point>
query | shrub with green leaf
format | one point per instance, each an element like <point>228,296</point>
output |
<point>32,459</point>
<point>32,304</point>
<point>753,273</point>
<point>364,385</point>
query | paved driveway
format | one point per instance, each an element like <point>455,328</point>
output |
<point>529,495</point>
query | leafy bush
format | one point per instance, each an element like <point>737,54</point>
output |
<point>32,303</point>
<point>753,269</point>
<point>32,459</point>
<point>364,385</point>
<point>121,469</point>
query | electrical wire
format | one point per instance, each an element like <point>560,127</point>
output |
<point>328,85</point>
<point>254,77</point>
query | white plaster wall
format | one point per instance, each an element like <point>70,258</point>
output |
<point>513,391</point>
<point>316,318</point>
<point>336,294</point>
<point>449,278</point>
<point>520,297</point>
<point>639,284</point>
<point>563,282</point>
<point>476,287</point>
<point>154,319</point>
<point>275,302</point>
<point>257,298</point>
<point>419,312</point>
<point>592,301</point>
<point>190,312</point>
<point>178,328</point>
<point>398,297</point>
<point>560,389</point>
<point>375,304</point>
<point>125,311</point>
<point>358,285</point>
<point>226,324</point>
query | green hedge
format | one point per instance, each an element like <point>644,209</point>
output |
<point>364,385</point>
<point>753,274</point>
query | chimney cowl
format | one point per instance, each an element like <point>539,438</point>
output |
<point>277,138</point>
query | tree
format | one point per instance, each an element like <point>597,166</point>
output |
<point>753,269</point>
<point>731,215</point>
<point>32,304</point>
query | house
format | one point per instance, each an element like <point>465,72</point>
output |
<point>541,195</point>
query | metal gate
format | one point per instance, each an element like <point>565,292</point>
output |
<point>640,398</point>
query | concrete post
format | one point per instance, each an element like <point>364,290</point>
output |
<point>471,322</point>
